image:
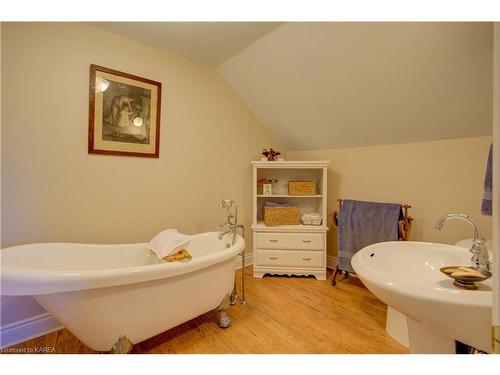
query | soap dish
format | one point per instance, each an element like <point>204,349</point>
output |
<point>465,277</point>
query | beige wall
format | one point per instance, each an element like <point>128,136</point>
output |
<point>53,190</point>
<point>434,177</point>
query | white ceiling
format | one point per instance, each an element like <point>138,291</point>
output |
<point>329,85</point>
<point>334,84</point>
<point>209,43</point>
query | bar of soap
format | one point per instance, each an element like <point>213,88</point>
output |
<point>469,274</point>
<point>450,270</point>
<point>467,269</point>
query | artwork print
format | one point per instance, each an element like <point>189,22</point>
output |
<point>124,115</point>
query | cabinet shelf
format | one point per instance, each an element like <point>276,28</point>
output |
<point>260,226</point>
<point>290,249</point>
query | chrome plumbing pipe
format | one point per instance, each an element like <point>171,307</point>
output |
<point>231,227</point>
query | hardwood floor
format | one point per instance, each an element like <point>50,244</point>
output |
<point>283,315</point>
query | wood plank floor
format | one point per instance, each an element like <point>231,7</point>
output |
<point>283,315</point>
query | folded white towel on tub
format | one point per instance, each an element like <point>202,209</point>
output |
<point>168,242</point>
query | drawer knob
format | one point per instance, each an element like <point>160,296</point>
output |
<point>306,241</point>
<point>306,258</point>
<point>273,258</point>
<point>273,240</point>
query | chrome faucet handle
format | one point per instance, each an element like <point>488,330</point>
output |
<point>223,226</point>
<point>479,244</point>
<point>481,257</point>
<point>231,219</point>
<point>227,203</point>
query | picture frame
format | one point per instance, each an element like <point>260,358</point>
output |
<point>124,114</point>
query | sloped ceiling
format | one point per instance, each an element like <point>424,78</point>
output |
<point>209,43</point>
<point>329,85</point>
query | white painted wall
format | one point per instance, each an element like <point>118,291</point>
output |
<point>209,43</point>
<point>346,84</point>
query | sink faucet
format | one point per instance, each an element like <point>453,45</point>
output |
<point>480,257</point>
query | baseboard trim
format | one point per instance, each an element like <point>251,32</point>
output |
<point>27,329</point>
<point>248,260</point>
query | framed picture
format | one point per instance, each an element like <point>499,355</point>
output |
<point>124,114</point>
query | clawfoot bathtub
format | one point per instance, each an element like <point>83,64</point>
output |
<point>122,294</point>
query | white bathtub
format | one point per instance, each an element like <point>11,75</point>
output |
<point>101,292</point>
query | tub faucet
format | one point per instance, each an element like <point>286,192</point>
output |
<point>480,257</point>
<point>224,228</point>
<point>231,223</point>
<point>231,227</point>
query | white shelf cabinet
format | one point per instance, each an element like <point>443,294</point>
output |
<point>290,249</point>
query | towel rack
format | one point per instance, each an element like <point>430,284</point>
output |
<point>404,229</point>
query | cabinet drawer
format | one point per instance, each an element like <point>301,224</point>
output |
<point>290,258</point>
<point>297,241</point>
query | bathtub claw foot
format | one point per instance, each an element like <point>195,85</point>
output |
<point>223,318</point>
<point>122,346</point>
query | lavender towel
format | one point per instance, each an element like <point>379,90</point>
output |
<point>488,183</point>
<point>277,204</point>
<point>364,223</point>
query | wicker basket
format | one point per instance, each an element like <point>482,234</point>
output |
<point>301,188</point>
<point>281,216</point>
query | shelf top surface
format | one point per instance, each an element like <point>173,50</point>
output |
<point>260,226</point>
<point>291,164</point>
<point>288,196</point>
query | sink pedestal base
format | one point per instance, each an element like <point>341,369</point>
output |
<point>396,325</point>
<point>425,340</point>
<point>416,336</point>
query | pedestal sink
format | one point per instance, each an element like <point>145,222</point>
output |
<point>406,276</point>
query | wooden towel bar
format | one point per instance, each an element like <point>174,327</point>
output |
<point>404,226</point>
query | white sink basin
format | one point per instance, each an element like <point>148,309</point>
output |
<point>406,276</point>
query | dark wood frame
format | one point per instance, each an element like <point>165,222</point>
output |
<point>404,229</point>
<point>91,149</point>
